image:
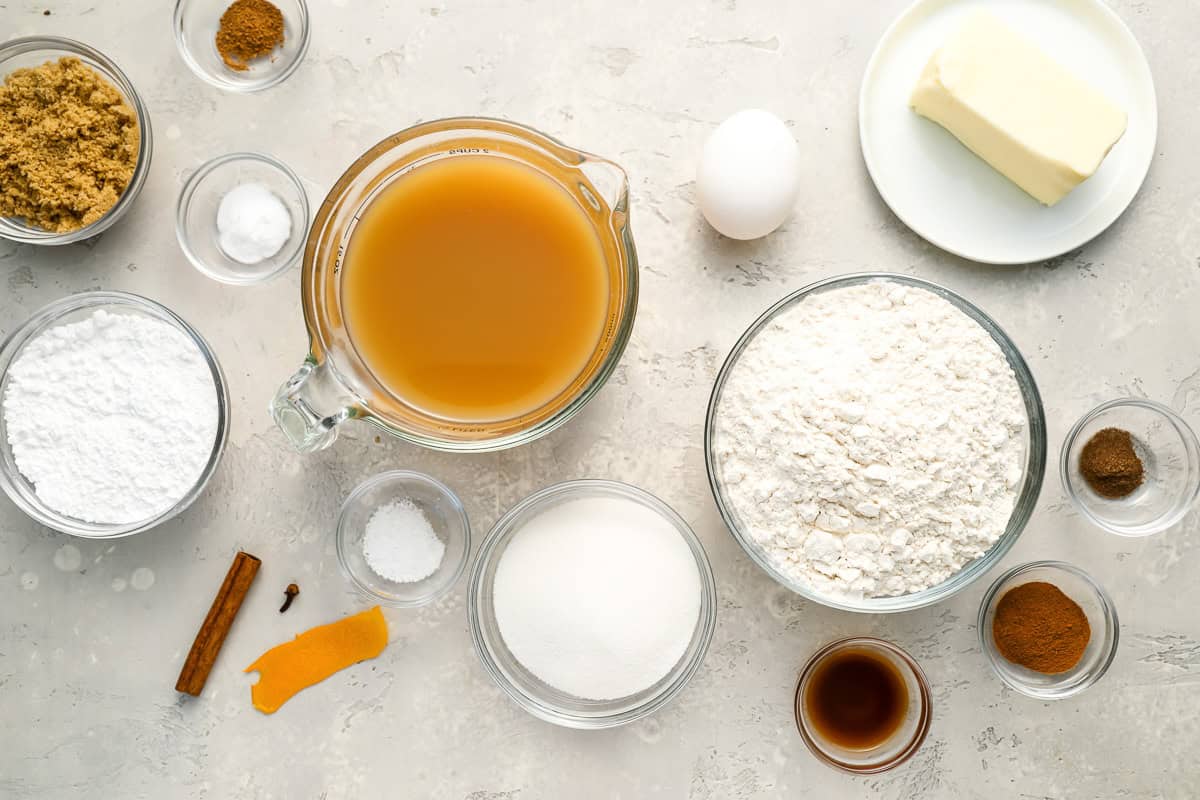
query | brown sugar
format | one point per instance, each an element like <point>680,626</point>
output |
<point>68,145</point>
<point>249,29</point>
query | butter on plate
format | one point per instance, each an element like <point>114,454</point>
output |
<point>1017,108</point>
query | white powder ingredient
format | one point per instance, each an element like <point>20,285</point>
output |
<point>253,224</point>
<point>598,597</point>
<point>400,544</point>
<point>112,418</point>
<point>870,439</point>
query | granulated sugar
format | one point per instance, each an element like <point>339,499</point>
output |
<point>598,597</point>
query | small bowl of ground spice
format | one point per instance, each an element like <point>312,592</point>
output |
<point>1132,467</point>
<point>242,45</point>
<point>75,137</point>
<point>1048,629</point>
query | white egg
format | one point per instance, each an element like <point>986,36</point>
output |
<point>749,175</point>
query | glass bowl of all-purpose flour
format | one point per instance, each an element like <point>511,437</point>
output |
<point>592,604</point>
<point>113,415</point>
<point>875,442</point>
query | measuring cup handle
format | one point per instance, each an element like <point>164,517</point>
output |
<point>298,403</point>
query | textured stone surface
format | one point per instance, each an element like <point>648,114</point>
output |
<point>93,634</point>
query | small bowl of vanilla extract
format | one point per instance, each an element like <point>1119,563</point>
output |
<point>862,705</point>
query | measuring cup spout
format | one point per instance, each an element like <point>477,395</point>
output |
<point>609,180</point>
<point>300,405</point>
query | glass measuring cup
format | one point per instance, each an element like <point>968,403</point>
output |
<point>335,384</point>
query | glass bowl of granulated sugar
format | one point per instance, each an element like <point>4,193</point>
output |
<point>591,604</point>
<point>113,415</point>
<point>875,442</point>
<point>403,538</point>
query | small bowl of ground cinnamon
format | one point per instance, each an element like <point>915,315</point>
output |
<point>242,45</point>
<point>1048,629</point>
<point>1132,467</point>
<point>76,139</point>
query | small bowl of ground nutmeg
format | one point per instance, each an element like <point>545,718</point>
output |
<point>1048,629</point>
<point>75,137</point>
<point>242,45</point>
<point>1132,467</point>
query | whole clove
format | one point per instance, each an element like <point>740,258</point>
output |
<point>289,595</point>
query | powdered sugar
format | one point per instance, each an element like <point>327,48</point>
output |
<point>112,418</point>
<point>870,440</point>
<point>400,544</point>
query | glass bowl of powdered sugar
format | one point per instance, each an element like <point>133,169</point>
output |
<point>113,415</point>
<point>875,442</point>
<point>403,538</point>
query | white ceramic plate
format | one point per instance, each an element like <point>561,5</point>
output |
<point>950,196</point>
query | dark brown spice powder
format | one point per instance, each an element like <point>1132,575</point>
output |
<point>249,29</point>
<point>1110,465</point>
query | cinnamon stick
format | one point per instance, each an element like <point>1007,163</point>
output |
<point>216,625</point>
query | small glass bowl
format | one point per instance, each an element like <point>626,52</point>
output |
<point>1171,457</point>
<point>33,51</point>
<point>443,510</point>
<point>196,23</point>
<point>534,695</point>
<point>73,309</point>
<point>1101,614</point>
<point>901,745</point>
<point>1030,486</point>
<point>196,215</point>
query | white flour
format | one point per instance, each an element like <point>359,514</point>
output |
<point>112,418</point>
<point>871,440</point>
<point>598,597</point>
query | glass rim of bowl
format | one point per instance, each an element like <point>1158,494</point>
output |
<point>1033,470</point>
<point>241,87</point>
<point>924,722</point>
<point>402,475</point>
<point>184,201</point>
<point>109,70</point>
<point>18,487</point>
<point>1186,434</point>
<point>1108,611</point>
<point>679,676</point>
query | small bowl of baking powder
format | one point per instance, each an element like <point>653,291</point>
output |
<point>242,218</point>
<point>113,415</point>
<point>403,538</point>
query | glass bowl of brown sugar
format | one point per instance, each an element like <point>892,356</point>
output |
<point>1048,629</point>
<point>76,70</point>
<point>242,45</point>
<point>1132,467</point>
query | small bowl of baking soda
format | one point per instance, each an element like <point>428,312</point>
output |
<point>403,538</point>
<point>242,218</point>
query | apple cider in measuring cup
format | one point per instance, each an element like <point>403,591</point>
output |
<point>474,288</point>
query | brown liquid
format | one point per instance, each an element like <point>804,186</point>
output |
<point>856,699</point>
<point>475,288</point>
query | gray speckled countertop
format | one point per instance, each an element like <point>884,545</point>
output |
<point>92,634</point>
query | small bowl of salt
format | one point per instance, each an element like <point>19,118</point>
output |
<point>403,538</point>
<point>242,218</point>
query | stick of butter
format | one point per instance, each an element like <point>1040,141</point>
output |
<point>1017,108</point>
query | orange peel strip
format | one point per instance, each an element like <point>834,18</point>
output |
<point>314,655</point>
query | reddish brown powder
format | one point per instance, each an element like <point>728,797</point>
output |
<point>1039,627</point>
